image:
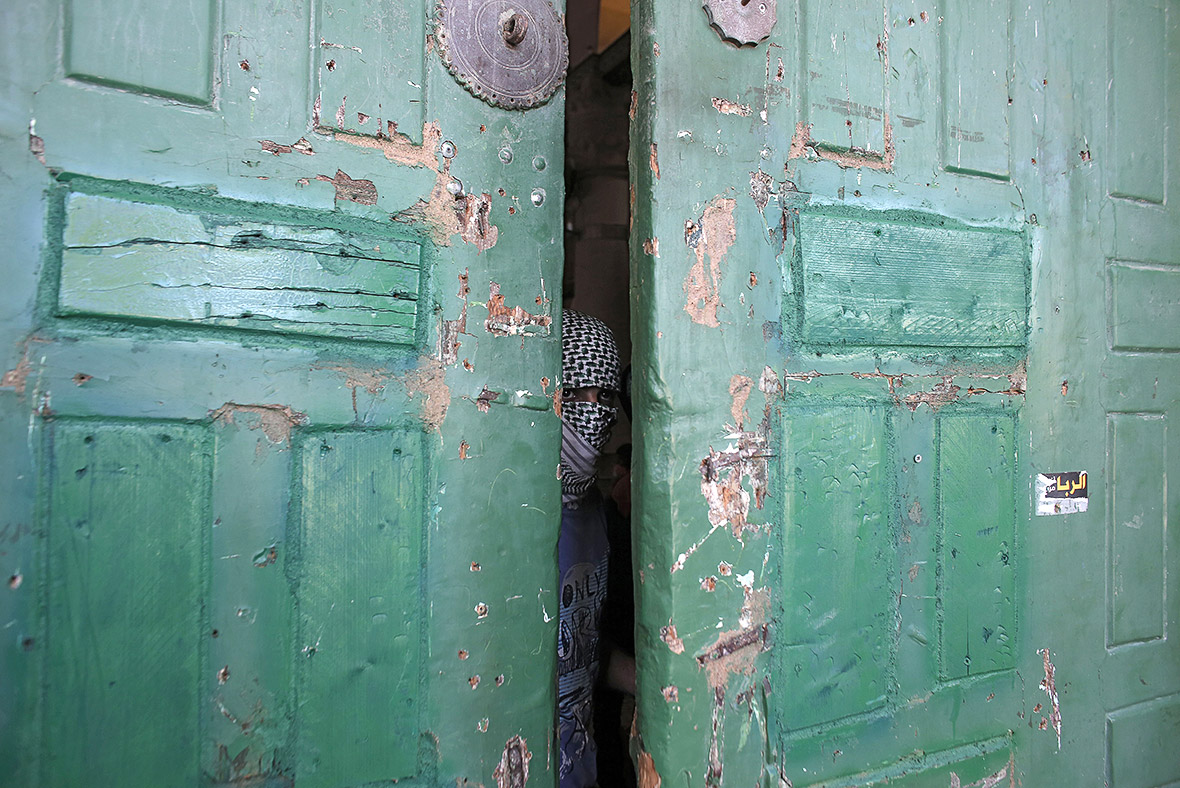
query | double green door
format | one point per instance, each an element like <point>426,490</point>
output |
<point>279,350</point>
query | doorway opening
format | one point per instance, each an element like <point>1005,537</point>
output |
<point>597,282</point>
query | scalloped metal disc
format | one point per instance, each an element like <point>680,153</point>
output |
<point>742,23</point>
<point>474,46</point>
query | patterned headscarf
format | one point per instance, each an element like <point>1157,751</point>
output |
<point>589,357</point>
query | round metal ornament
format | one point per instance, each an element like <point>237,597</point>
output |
<point>742,22</point>
<point>510,53</point>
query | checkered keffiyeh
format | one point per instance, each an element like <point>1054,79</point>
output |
<point>589,357</point>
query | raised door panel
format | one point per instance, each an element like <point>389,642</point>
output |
<point>1141,69</point>
<point>124,630</point>
<point>359,607</point>
<point>846,78</point>
<point>125,259</point>
<point>121,44</point>
<point>976,68</point>
<point>250,626</point>
<point>835,643</point>
<point>387,101</point>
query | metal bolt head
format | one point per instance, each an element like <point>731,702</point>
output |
<point>538,197</point>
<point>514,28</point>
<point>455,187</point>
<point>917,458</point>
<point>506,155</point>
<point>539,163</point>
<point>447,149</point>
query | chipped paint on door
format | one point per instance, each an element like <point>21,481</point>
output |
<point>250,472</point>
<point>941,238</point>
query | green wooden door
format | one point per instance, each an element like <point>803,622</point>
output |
<point>892,265</point>
<point>279,349</point>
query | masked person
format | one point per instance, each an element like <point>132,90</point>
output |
<point>590,374</point>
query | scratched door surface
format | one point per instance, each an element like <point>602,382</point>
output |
<point>280,502</point>
<point>894,264</point>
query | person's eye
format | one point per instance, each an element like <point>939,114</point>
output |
<point>607,397</point>
<point>568,395</point>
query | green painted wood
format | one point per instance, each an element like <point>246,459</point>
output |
<point>1004,123</point>
<point>127,545</point>
<point>916,566</point>
<point>99,221</point>
<point>873,282</point>
<point>142,261</point>
<point>993,766</point>
<point>1143,303</point>
<point>121,202</point>
<point>846,91</point>
<point>834,642</point>
<point>249,631</point>
<point>1137,109</point>
<point>1134,735</point>
<point>128,283</point>
<point>1136,113</point>
<point>1136,527</point>
<point>977,544</point>
<point>356,98</point>
<point>975,131</point>
<point>360,633</point>
<point>104,43</point>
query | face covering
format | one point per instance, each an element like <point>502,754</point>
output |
<point>589,357</point>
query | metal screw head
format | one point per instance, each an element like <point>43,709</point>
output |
<point>506,155</point>
<point>917,458</point>
<point>539,163</point>
<point>447,149</point>
<point>514,28</point>
<point>538,197</point>
<point>455,187</point>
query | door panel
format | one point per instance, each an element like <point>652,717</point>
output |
<point>867,281</point>
<point>104,44</point>
<point>975,61</point>
<point>974,562</point>
<point>131,260</point>
<point>910,284</point>
<point>279,358</point>
<point>837,493</point>
<point>846,87</point>
<point>123,645</point>
<point>357,605</point>
<point>371,101</point>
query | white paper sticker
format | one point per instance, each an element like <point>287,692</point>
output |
<point>1062,493</point>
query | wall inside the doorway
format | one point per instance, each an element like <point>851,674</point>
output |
<point>598,97</point>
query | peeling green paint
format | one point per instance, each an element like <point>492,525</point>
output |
<point>965,179</point>
<point>285,587</point>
